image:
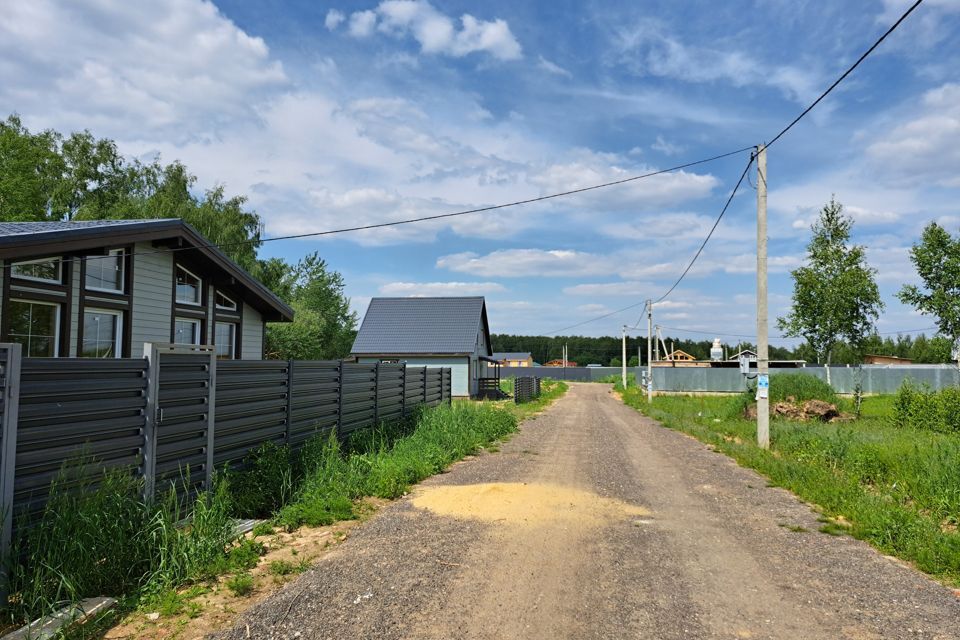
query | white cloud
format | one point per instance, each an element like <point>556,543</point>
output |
<point>552,67</point>
<point>649,50</point>
<point>526,263</point>
<point>119,68</point>
<point>667,148</point>
<point>436,32</point>
<point>334,19</point>
<point>613,289</point>
<point>362,24</point>
<point>421,289</point>
<point>924,150</point>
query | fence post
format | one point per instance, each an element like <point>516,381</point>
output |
<point>376,394</point>
<point>8,455</point>
<point>403,392</point>
<point>211,419</point>
<point>288,426</point>
<point>340,397</point>
<point>152,355</point>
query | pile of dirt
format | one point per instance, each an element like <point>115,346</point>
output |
<point>802,411</point>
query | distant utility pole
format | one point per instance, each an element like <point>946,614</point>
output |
<point>763,348</point>
<point>649,350</point>
<point>623,356</point>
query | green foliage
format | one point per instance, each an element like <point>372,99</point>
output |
<point>30,172</point>
<point>919,407</point>
<point>240,584</point>
<point>246,555</point>
<point>937,259</point>
<point>262,529</point>
<point>835,295</point>
<point>264,482</point>
<point>898,488</point>
<point>799,386</point>
<point>633,361</point>
<point>616,362</point>
<point>97,536</point>
<point>285,568</point>
<point>323,327</point>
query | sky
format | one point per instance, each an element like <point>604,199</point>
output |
<point>337,114</point>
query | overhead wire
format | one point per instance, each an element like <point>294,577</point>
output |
<point>777,137</point>
<point>393,223</point>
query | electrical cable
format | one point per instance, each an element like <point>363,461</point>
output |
<point>394,223</point>
<point>846,73</point>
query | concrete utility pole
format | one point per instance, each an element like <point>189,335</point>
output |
<point>763,348</point>
<point>649,350</point>
<point>623,355</point>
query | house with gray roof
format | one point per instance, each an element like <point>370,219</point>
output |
<point>434,332</point>
<point>102,288</point>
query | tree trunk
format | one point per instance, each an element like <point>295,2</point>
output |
<point>828,366</point>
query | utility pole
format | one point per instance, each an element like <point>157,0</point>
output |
<point>649,351</point>
<point>763,348</point>
<point>623,355</point>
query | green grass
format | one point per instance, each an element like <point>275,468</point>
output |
<point>386,462</point>
<point>898,489</point>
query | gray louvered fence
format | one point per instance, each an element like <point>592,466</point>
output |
<point>175,415</point>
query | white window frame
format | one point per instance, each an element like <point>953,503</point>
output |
<point>120,253</point>
<point>199,302</point>
<point>56,333</point>
<point>233,346</point>
<point>118,339</point>
<point>19,276</point>
<point>218,293</point>
<point>199,331</point>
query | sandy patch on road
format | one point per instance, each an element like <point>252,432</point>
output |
<point>523,504</point>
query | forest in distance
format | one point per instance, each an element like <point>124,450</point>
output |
<point>606,350</point>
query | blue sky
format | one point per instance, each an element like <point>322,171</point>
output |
<point>336,114</point>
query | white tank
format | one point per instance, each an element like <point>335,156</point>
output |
<point>716,351</point>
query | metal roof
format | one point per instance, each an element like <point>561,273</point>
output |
<point>512,355</point>
<point>31,239</point>
<point>408,326</point>
<point>30,228</point>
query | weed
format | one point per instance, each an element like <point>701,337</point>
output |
<point>246,555</point>
<point>240,584</point>
<point>285,568</point>
<point>262,529</point>
<point>264,483</point>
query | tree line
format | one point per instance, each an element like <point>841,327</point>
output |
<point>46,176</point>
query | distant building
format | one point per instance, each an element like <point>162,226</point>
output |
<point>875,359</point>
<point>514,359</point>
<point>560,363</point>
<point>680,356</point>
<point>749,354</point>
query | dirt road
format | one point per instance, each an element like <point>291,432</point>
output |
<point>594,522</point>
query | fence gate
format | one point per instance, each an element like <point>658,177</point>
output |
<point>179,434</point>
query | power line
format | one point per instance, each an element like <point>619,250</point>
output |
<point>753,337</point>
<point>783,131</point>
<point>846,73</point>
<point>395,223</point>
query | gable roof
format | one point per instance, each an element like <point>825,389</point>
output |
<point>33,239</point>
<point>409,326</point>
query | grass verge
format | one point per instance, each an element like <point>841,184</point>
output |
<point>898,489</point>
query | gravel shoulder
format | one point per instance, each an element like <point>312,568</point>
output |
<point>595,522</point>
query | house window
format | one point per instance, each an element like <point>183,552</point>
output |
<point>105,273</point>
<point>225,303</point>
<point>35,325</point>
<point>188,287</point>
<point>225,340</point>
<point>102,334</point>
<point>186,331</point>
<point>45,270</point>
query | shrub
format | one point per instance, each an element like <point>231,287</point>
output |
<point>241,584</point>
<point>799,386</point>
<point>264,482</point>
<point>919,407</point>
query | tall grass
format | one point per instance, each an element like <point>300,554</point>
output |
<point>785,386</point>
<point>387,462</point>
<point>899,489</point>
<point>97,536</point>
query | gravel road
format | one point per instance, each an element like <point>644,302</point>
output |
<point>594,522</point>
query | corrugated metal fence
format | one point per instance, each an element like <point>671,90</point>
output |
<point>175,415</point>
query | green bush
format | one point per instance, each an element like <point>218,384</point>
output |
<point>919,407</point>
<point>799,386</point>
